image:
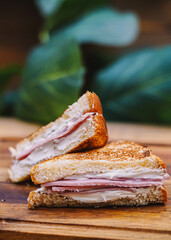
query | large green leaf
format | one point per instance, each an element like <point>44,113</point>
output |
<point>137,87</point>
<point>65,13</point>
<point>52,80</point>
<point>104,26</point>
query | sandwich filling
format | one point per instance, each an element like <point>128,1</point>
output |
<point>104,186</point>
<point>51,137</point>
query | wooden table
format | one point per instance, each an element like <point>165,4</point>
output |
<point>17,222</point>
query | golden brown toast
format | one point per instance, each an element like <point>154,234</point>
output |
<point>115,155</point>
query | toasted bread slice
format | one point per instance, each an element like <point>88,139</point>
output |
<point>151,195</point>
<point>88,132</point>
<point>118,156</point>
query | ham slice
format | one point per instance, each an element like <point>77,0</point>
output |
<point>76,122</point>
<point>92,185</point>
<point>117,182</point>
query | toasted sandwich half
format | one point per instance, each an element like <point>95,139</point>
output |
<point>82,126</point>
<point>121,173</point>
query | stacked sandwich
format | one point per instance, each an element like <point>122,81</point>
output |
<point>120,173</point>
<point>82,126</point>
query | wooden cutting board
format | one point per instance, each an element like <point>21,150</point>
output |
<point>18,222</point>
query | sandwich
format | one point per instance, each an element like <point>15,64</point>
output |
<point>119,174</point>
<point>82,126</point>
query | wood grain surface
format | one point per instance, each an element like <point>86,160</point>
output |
<point>18,222</point>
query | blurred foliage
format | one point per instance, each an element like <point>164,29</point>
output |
<point>54,74</point>
<point>102,26</point>
<point>64,13</point>
<point>49,7</point>
<point>6,74</point>
<point>135,87</point>
<point>52,79</point>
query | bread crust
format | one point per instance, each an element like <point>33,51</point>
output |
<point>37,199</point>
<point>94,102</point>
<point>164,194</point>
<point>160,162</point>
<point>99,139</point>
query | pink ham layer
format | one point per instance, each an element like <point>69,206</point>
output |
<point>59,135</point>
<point>90,184</point>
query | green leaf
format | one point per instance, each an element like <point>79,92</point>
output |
<point>137,87</point>
<point>52,80</point>
<point>103,26</point>
<point>65,13</point>
<point>48,7</point>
